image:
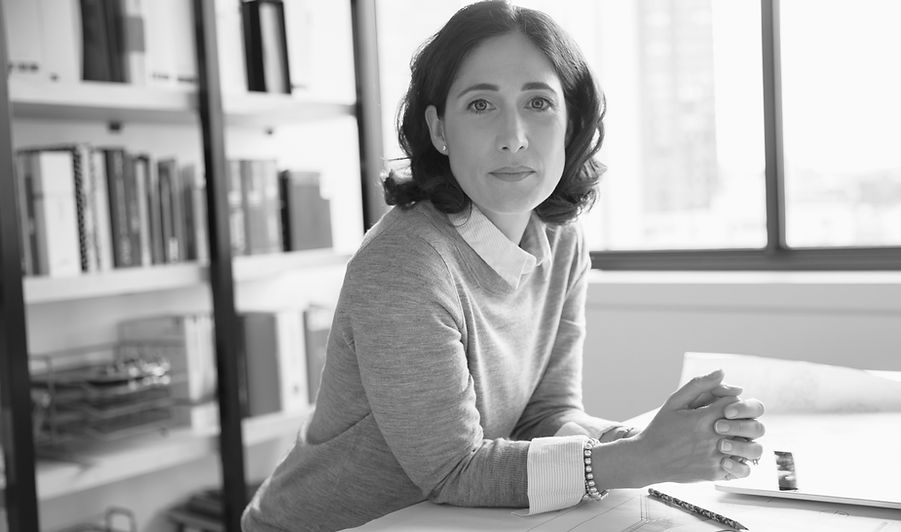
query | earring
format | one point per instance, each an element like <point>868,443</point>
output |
<point>444,148</point>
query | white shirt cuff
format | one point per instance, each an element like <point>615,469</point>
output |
<point>556,473</point>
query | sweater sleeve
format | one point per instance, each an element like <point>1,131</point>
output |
<point>406,325</point>
<point>558,397</point>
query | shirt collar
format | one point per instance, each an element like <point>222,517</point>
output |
<point>507,259</point>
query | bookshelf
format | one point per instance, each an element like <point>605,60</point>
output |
<point>141,454</point>
<point>199,121</point>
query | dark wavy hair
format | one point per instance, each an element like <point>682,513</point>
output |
<point>434,68</point>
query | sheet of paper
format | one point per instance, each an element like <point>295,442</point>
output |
<point>634,511</point>
<point>792,386</point>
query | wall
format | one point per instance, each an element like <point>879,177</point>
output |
<point>640,324</point>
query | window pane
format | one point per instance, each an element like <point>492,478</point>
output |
<point>841,113</point>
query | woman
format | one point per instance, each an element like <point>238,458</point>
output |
<point>454,362</point>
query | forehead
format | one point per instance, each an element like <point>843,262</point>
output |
<point>510,59</point>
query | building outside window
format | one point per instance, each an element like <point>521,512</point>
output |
<point>687,132</point>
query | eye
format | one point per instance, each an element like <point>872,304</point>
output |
<point>479,106</point>
<point>540,103</point>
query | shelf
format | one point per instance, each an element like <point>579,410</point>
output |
<point>138,280</point>
<point>271,110</point>
<point>92,100</point>
<point>114,282</point>
<point>122,102</point>
<point>139,455</point>
<point>251,267</point>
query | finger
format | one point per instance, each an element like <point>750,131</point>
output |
<point>685,396</point>
<point>733,468</point>
<point>745,408</point>
<point>745,428</point>
<point>723,390</point>
<point>741,449</point>
<point>616,433</point>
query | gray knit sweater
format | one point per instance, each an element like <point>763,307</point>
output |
<point>438,374</point>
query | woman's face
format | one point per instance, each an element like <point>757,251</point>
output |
<point>504,126</point>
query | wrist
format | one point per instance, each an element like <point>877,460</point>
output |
<point>620,464</point>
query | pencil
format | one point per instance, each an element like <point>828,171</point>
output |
<point>697,510</point>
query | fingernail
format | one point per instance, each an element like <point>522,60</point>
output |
<point>731,411</point>
<point>714,372</point>
<point>727,446</point>
<point>722,426</point>
<point>727,464</point>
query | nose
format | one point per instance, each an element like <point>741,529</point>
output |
<point>512,134</point>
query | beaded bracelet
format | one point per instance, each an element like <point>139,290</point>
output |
<point>591,490</point>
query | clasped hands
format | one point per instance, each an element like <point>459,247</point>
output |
<point>704,431</point>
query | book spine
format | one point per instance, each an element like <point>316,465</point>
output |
<point>101,212</point>
<point>123,254</point>
<point>134,42</point>
<point>232,73</point>
<point>142,165</point>
<point>95,41</point>
<point>61,39</point>
<point>271,207</point>
<point>253,46</point>
<point>182,33</point>
<point>81,183</point>
<point>55,212</point>
<point>154,209</point>
<point>299,36</point>
<point>24,212</point>
<point>277,79</point>
<point>165,169</point>
<point>25,49</point>
<point>115,37</point>
<point>132,208</point>
<point>179,214</point>
<point>236,209</point>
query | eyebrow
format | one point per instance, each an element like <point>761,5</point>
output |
<point>530,86</point>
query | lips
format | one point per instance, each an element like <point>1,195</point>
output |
<point>512,174</point>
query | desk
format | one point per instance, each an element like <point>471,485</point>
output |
<point>634,511</point>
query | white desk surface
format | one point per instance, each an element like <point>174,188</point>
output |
<point>868,437</point>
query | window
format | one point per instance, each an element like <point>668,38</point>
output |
<point>750,134</point>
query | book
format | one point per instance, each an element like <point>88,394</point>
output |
<point>24,213</point>
<point>306,215</point>
<point>236,226</point>
<point>274,361</point>
<point>56,226</point>
<point>95,49</point>
<point>299,33</point>
<point>142,166</point>
<point>61,40</point>
<point>81,168</point>
<point>181,32</point>
<point>317,323</point>
<point>115,37</point>
<point>154,208</point>
<point>132,208</point>
<point>103,236</point>
<point>24,38</point>
<point>195,206</point>
<point>266,47</point>
<point>260,201</point>
<point>232,73</point>
<point>133,42</point>
<point>166,170</point>
<point>186,341</point>
<point>115,168</point>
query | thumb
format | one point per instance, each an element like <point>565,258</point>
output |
<point>686,396</point>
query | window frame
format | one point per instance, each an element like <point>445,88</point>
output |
<point>776,255</point>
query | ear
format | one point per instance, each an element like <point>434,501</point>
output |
<point>436,129</point>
